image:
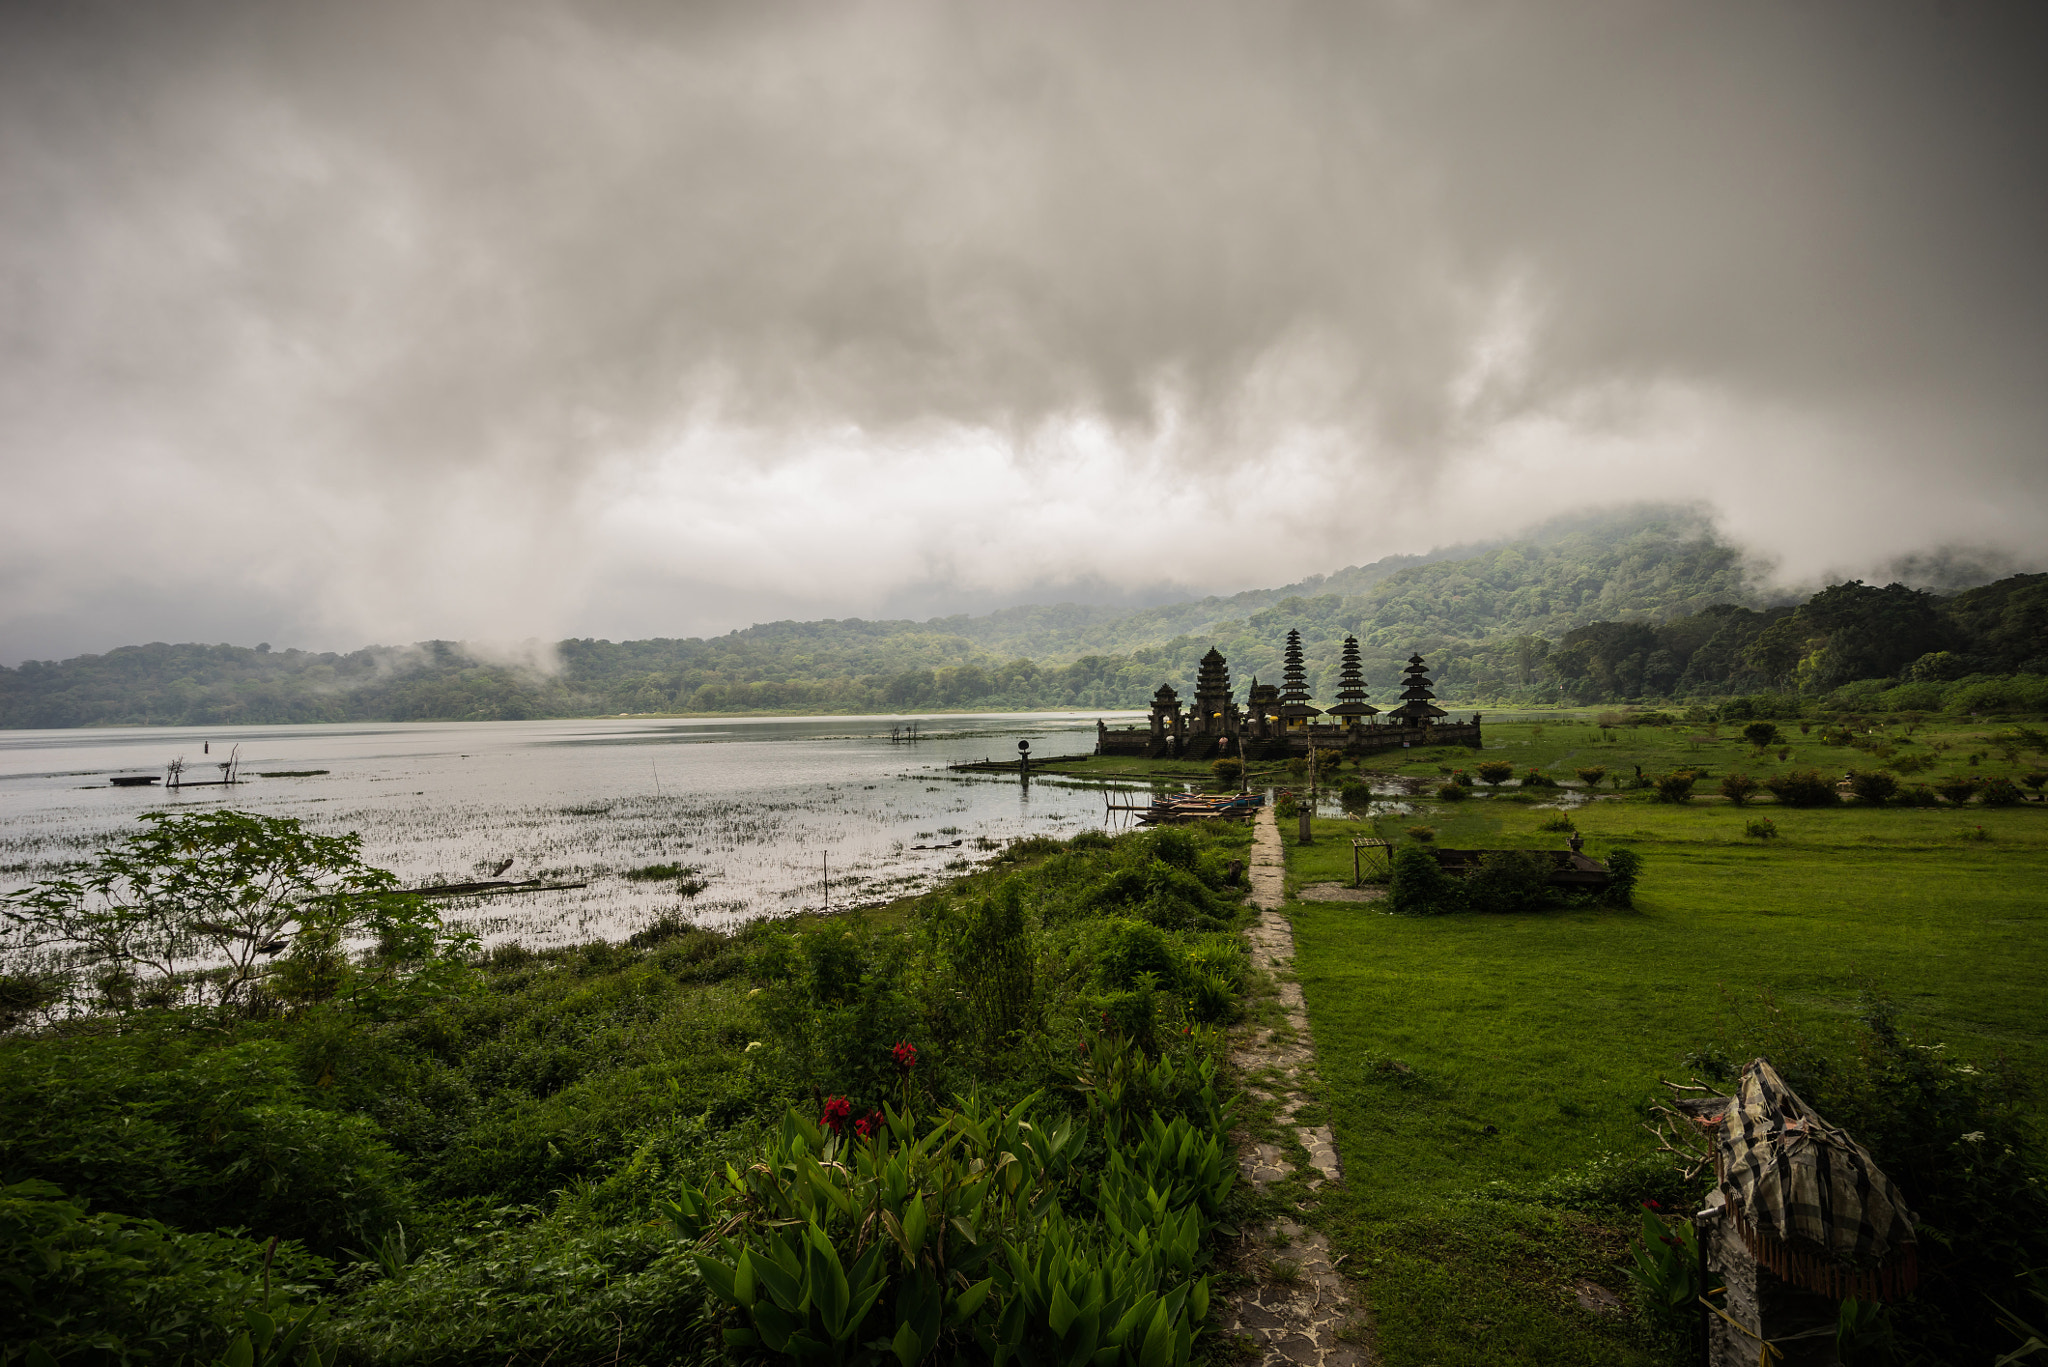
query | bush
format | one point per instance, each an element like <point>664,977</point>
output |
<point>1802,788</point>
<point>1957,789</point>
<point>1739,788</point>
<point>1495,772</point>
<point>1874,786</point>
<point>1356,792</point>
<point>1625,868</point>
<point>2035,780</point>
<point>1128,950</point>
<point>1420,887</point>
<point>1560,822</point>
<point>1461,778</point>
<point>1423,833</point>
<point>1675,787</point>
<point>1451,792</point>
<point>1591,774</point>
<point>1227,771</point>
<point>94,1287</point>
<point>1536,778</point>
<point>1761,735</point>
<point>2001,792</point>
<point>1763,828</point>
<point>1919,795</point>
<point>1510,881</point>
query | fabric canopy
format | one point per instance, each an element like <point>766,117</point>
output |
<point>1809,1201</point>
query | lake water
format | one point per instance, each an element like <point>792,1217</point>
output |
<point>758,807</point>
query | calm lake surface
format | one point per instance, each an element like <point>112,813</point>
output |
<point>757,806</point>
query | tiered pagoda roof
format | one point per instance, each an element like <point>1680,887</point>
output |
<point>1351,693</point>
<point>1212,685</point>
<point>1294,704</point>
<point>1416,709</point>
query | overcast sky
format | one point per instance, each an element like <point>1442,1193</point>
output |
<point>332,323</point>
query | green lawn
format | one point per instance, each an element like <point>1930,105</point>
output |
<point>1533,1044</point>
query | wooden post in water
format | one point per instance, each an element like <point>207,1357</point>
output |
<point>828,881</point>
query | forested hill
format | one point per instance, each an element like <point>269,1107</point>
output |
<point>1644,604</point>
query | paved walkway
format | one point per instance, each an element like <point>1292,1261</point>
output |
<point>1300,1302</point>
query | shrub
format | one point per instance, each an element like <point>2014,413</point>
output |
<point>1763,828</point>
<point>1356,792</point>
<point>1461,778</point>
<point>1536,778</point>
<point>1451,792</point>
<point>92,1287</point>
<point>1423,833</point>
<point>1957,788</point>
<point>1591,774</point>
<point>1129,950</point>
<point>1761,735</point>
<point>1919,795</point>
<point>1874,786</point>
<point>1420,887</point>
<point>2036,779</point>
<point>1560,822</point>
<point>1495,772</point>
<point>1510,881</point>
<point>1739,788</point>
<point>1624,868</point>
<point>1227,771</point>
<point>1675,787</point>
<point>1802,788</point>
<point>2001,792</point>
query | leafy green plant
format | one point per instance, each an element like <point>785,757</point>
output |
<point>1874,786</point>
<point>1664,1263</point>
<point>1761,735</point>
<point>1591,774</point>
<point>1420,887</point>
<point>1494,772</point>
<point>222,888</point>
<point>1560,822</point>
<point>2000,792</point>
<point>1802,788</point>
<point>1675,787</point>
<point>1739,788</point>
<point>1451,792</point>
<point>1957,789</point>
<point>1763,828</point>
<point>1625,870</point>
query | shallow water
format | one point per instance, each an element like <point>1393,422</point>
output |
<point>759,807</point>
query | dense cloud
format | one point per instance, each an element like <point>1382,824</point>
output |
<point>374,321</point>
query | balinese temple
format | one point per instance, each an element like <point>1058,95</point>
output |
<point>1294,705</point>
<point>1417,707</point>
<point>1276,723</point>
<point>1352,708</point>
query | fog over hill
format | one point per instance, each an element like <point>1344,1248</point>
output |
<point>1489,616</point>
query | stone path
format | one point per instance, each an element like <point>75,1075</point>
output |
<point>1300,1303</point>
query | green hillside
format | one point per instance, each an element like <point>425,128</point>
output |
<point>1645,603</point>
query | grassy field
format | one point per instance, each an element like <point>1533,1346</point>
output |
<point>1465,1050</point>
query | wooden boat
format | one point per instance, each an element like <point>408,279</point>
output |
<point>133,780</point>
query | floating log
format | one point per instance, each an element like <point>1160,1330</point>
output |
<point>133,780</point>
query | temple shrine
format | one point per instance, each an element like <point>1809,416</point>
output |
<point>1279,722</point>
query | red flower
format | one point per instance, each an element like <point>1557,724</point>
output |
<point>837,1109</point>
<point>868,1124</point>
<point>1652,1205</point>
<point>905,1054</point>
